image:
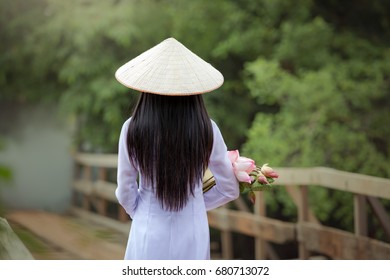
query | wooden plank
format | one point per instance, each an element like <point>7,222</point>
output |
<point>83,186</point>
<point>295,176</point>
<point>65,233</point>
<point>355,183</point>
<point>326,177</point>
<point>335,179</point>
<point>105,190</point>
<point>101,189</point>
<point>97,160</point>
<point>360,214</point>
<point>11,247</point>
<point>246,223</point>
<point>122,227</point>
<point>339,244</point>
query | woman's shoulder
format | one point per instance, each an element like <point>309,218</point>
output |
<point>214,125</point>
<point>125,126</point>
<point>126,123</point>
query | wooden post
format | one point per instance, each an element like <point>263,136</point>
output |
<point>102,202</point>
<point>87,177</point>
<point>260,210</point>
<point>76,176</point>
<point>241,205</point>
<point>226,238</point>
<point>303,216</point>
<point>295,193</point>
<point>360,214</point>
<point>381,213</point>
<point>122,216</point>
<point>227,245</point>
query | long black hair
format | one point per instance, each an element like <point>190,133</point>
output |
<point>170,138</point>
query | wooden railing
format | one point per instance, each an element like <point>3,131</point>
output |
<point>94,188</point>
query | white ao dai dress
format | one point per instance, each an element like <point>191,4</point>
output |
<point>159,234</point>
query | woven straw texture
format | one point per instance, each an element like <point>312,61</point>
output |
<point>169,68</point>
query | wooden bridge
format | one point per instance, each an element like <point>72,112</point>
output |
<point>94,198</point>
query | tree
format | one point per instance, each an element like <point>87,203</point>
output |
<point>69,52</point>
<point>327,89</point>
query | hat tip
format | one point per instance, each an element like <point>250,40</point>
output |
<point>170,39</point>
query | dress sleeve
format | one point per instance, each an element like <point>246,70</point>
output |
<point>227,186</point>
<point>127,189</point>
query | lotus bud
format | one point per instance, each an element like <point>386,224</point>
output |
<point>268,171</point>
<point>252,197</point>
<point>262,179</point>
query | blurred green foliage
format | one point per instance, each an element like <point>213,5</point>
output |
<point>5,175</point>
<point>307,82</point>
<point>5,172</point>
<point>327,86</point>
<point>68,52</point>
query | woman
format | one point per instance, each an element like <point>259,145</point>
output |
<point>168,143</point>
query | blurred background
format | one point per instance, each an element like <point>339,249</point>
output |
<point>307,83</point>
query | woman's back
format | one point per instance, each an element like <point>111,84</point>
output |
<point>158,233</point>
<point>170,140</point>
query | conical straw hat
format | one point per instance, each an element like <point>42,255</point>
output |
<point>169,68</point>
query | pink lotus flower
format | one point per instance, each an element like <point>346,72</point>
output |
<point>268,171</point>
<point>242,166</point>
<point>251,177</point>
<point>233,155</point>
